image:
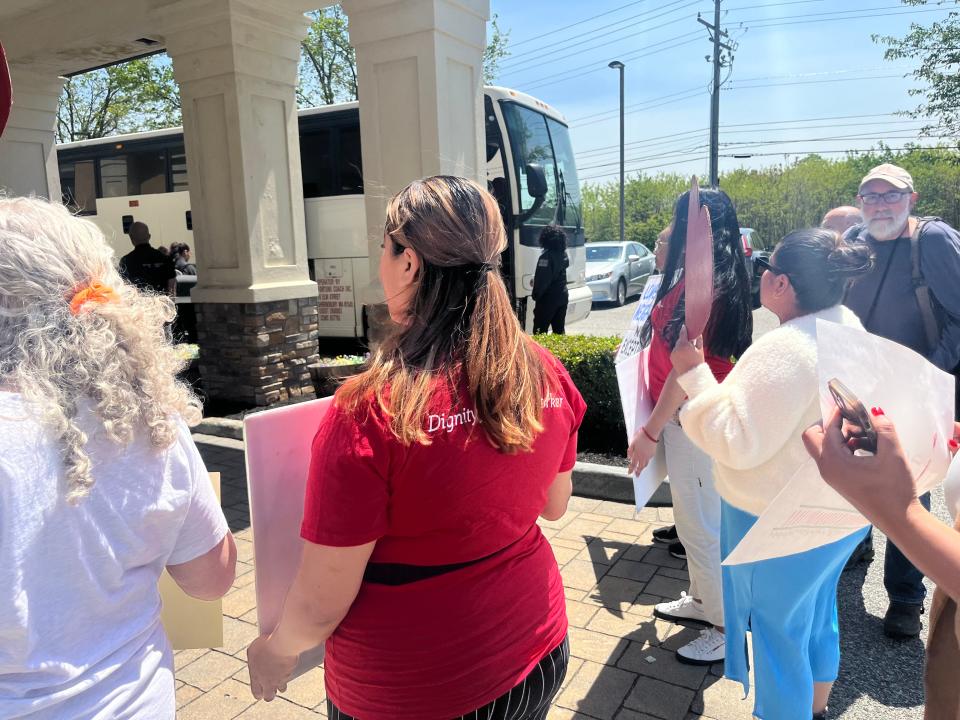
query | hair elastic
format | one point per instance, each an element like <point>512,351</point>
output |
<point>95,292</point>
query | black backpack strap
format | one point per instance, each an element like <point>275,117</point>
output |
<point>931,327</point>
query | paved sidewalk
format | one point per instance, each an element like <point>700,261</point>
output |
<point>622,665</point>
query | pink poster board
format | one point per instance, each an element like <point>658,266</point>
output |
<point>278,457</point>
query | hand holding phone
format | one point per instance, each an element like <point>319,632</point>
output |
<point>858,429</point>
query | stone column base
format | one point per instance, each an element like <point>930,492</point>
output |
<point>258,353</point>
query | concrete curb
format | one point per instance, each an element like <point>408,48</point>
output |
<point>592,480</point>
<point>609,482</point>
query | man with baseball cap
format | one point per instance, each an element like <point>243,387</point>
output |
<point>912,296</point>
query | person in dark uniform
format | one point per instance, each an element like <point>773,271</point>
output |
<point>145,266</point>
<point>550,282</point>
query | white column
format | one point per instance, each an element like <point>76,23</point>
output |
<point>420,81</point>
<point>28,157</point>
<point>236,64</point>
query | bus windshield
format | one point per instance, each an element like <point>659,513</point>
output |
<point>538,139</point>
<point>530,142</point>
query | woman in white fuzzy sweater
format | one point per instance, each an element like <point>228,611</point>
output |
<point>751,425</point>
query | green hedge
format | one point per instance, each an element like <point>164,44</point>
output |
<point>589,360</point>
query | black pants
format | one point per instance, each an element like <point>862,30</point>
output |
<point>546,316</point>
<point>530,700</point>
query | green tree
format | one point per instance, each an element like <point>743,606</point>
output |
<point>777,199</point>
<point>937,48</point>
<point>136,95</point>
<point>328,63</point>
<point>495,51</point>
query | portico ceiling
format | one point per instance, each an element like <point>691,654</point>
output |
<point>62,37</point>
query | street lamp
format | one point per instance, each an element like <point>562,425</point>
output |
<point>617,65</point>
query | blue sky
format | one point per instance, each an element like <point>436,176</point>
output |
<point>797,61</point>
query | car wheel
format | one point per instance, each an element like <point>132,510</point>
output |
<point>621,292</point>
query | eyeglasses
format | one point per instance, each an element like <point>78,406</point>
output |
<point>767,265</point>
<point>888,197</point>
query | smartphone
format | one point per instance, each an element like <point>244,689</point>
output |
<point>853,411</point>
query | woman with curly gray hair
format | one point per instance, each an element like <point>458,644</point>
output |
<point>101,486</point>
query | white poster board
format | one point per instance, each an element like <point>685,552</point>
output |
<point>631,366</point>
<point>914,394</point>
<point>637,405</point>
<point>278,457</point>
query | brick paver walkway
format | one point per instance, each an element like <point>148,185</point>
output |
<point>621,667</point>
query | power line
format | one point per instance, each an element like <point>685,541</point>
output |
<point>897,135</point>
<point>512,61</point>
<point>564,76</point>
<point>756,124</point>
<point>749,87</point>
<point>683,136</point>
<point>579,22</point>
<point>906,148</point>
<point>765,22</point>
<point>697,88</point>
<point>813,82</point>
<point>550,41</point>
<point>762,23</point>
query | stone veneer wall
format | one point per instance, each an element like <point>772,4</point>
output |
<point>258,353</point>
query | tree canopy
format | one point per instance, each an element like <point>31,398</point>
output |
<point>937,48</point>
<point>132,96</point>
<point>142,95</point>
<point>777,199</point>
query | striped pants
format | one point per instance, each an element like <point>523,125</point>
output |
<point>530,700</point>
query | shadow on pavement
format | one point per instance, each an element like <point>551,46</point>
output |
<point>888,671</point>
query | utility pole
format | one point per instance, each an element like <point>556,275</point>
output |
<point>720,60</point>
<point>617,65</point>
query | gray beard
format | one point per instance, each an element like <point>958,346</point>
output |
<point>889,229</point>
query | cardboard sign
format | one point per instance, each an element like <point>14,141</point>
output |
<point>637,405</point>
<point>698,265</point>
<point>191,623</point>
<point>278,458</point>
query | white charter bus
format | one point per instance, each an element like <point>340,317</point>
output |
<point>530,170</point>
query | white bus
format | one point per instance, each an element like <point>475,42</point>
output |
<point>530,170</point>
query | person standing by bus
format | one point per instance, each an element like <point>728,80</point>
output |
<point>145,266</point>
<point>550,282</point>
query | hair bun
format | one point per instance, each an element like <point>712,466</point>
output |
<point>850,260</point>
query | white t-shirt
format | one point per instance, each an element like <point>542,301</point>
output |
<point>80,633</point>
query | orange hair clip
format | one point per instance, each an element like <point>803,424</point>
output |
<point>95,292</point>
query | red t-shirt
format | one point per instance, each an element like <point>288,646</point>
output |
<point>659,362</point>
<point>441,647</point>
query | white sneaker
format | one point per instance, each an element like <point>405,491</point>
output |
<point>705,650</point>
<point>686,608</point>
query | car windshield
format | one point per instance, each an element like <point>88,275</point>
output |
<point>604,253</point>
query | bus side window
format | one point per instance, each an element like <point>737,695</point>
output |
<point>316,163</point>
<point>78,183</point>
<point>351,166</point>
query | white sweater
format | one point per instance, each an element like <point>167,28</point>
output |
<point>751,423</point>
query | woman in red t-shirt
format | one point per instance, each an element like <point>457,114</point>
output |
<point>424,569</point>
<point>696,503</point>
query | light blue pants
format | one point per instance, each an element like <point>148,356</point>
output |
<point>790,606</point>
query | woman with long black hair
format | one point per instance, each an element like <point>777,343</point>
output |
<point>696,504</point>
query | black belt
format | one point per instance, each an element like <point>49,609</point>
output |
<point>381,573</point>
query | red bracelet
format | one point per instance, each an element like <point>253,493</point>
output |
<point>650,437</point>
